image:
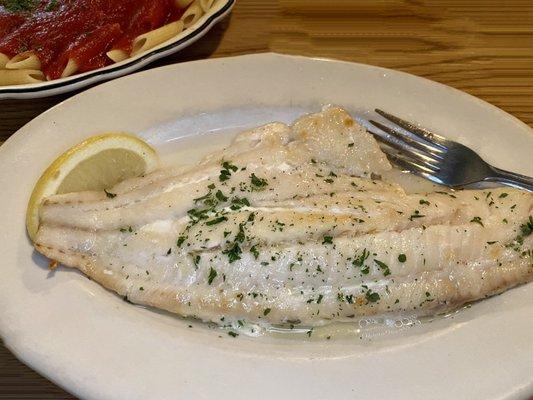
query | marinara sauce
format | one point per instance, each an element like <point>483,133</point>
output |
<point>82,30</point>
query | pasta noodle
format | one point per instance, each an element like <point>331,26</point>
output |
<point>117,55</point>
<point>70,69</point>
<point>25,60</point>
<point>192,14</point>
<point>20,76</point>
<point>206,4</point>
<point>148,40</point>
<point>182,3</point>
<point>3,60</point>
<point>76,39</point>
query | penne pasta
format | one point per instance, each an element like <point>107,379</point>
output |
<point>192,14</point>
<point>25,60</point>
<point>206,4</point>
<point>20,76</point>
<point>70,69</point>
<point>117,55</point>
<point>182,3</point>
<point>3,60</point>
<point>83,51</point>
<point>148,40</point>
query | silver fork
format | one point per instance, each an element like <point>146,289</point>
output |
<point>438,159</point>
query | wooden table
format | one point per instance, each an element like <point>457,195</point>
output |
<point>484,47</point>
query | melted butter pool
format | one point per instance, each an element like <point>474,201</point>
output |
<point>364,329</point>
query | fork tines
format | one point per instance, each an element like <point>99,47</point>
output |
<point>411,147</point>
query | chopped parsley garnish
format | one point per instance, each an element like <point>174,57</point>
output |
<point>239,202</point>
<point>527,228</point>
<point>15,6</point>
<point>402,258</point>
<point>422,201</point>
<point>128,229</point>
<point>169,251</point>
<point>254,251</point>
<point>371,296</point>
<point>351,144</point>
<point>196,260</point>
<point>258,183</point>
<point>279,225</point>
<point>220,196</point>
<point>233,334</point>
<point>240,235</point>
<point>327,239</point>
<point>266,312</point>
<point>320,297</point>
<point>503,195</point>
<point>197,214</point>
<point>227,165</point>
<point>225,173</point>
<point>447,194</point>
<point>233,253</point>
<point>416,215</point>
<point>180,241</point>
<point>384,267</point>
<point>109,194</point>
<point>216,221</point>
<point>202,198</point>
<point>477,220</point>
<point>212,275</point>
<point>359,261</point>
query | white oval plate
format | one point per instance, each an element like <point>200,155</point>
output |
<point>220,9</point>
<point>94,345</point>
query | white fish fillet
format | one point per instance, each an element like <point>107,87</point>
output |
<point>287,226</point>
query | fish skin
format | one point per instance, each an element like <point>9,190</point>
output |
<point>299,237</point>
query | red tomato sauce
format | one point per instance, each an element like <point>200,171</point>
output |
<point>82,30</point>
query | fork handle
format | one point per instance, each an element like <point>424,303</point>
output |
<point>511,179</point>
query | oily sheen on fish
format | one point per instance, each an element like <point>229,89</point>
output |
<point>288,226</point>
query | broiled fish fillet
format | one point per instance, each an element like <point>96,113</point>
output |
<point>287,226</point>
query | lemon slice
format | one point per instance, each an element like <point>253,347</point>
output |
<point>98,163</point>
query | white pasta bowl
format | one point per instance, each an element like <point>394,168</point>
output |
<point>185,38</point>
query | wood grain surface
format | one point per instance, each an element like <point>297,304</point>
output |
<point>483,47</point>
